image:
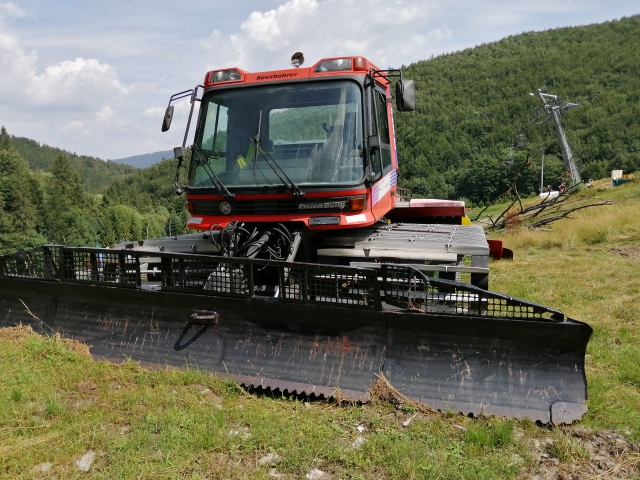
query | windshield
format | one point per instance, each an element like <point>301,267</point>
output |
<point>312,131</point>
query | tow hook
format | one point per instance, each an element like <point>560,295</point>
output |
<point>205,317</point>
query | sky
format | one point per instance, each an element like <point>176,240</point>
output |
<point>94,77</point>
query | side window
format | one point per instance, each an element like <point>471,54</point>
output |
<point>381,113</point>
<point>214,135</point>
<point>382,158</point>
<point>213,145</point>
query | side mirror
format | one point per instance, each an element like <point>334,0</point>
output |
<point>406,95</point>
<point>168,116</point>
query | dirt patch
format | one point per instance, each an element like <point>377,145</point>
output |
<point>630,251</point>
<point>86,387</point>
<point>222,465</point>
<point>206,394</point>
<point>608,454</point>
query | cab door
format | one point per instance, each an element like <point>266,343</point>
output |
<point>385,178</point>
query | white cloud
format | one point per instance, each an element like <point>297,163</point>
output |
<point>77,84</point>
<point>10,11</point>
<point>274,27</point>
<point>386,33</point>
<point>153,112</point>
<point>16,67</point>
<point>83,98</point>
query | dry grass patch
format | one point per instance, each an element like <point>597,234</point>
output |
<point>17,333</point>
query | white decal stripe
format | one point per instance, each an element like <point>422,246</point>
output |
<point>382,187</point>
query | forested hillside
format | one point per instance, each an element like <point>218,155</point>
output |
<point>472,104</point>
<point>53,206</point>
<point>95,174</point>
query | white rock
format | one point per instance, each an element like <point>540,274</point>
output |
<point>316,474</point>
<point>84,464</point>
<point>244,433</point>
<point>358,442</point>
<point>269,458</point>
<point>360,428</point>
<point>273,473</point>
<point>408,421</point>
<point>42,467</point>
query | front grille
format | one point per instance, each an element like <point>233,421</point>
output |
<point>269,207</point>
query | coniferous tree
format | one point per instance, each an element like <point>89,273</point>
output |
<point>5,140</point>
<point>20,194</point>
<point>71,212</point>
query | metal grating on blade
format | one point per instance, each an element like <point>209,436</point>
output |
<point>97,265</point>
<point>408,288</point>
<point>207,274</point>
<point>39,263</point>
<point>343,286</point>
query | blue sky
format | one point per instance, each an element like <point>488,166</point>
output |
<point>94,77</point>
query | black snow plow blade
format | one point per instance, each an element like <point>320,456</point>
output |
<point>307,329</point>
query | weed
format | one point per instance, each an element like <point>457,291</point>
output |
<point>408,408</point>
<point>629,367</point>
<point>16,395</point>
<point>53,407</point>
<point>489,434</point>
<point>568,449</point>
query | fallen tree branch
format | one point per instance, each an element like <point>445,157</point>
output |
<point>547,221</point>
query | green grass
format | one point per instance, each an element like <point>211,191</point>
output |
<point>589,267</point>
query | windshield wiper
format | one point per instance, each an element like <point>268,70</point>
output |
<point>212,176</point>
<point>286,181</point>
<point>260,150</point>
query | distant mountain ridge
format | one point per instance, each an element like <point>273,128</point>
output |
<point>96,174</point>
<point>145,160</point>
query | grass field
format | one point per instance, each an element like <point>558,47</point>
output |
<point>62,413</point>
<point>589,267</point>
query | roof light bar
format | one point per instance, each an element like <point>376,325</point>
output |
<point>335,65</point>
<point>219,76</point>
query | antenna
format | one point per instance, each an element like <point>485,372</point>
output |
<point>551,109</point>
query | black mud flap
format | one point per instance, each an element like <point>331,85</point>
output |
<point>299,349</point>
<point>518,369</point>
